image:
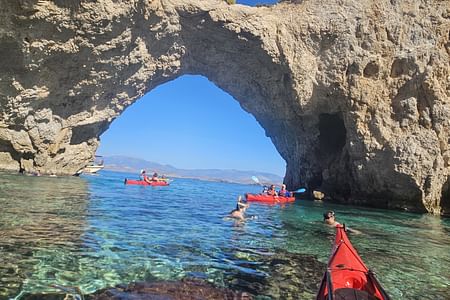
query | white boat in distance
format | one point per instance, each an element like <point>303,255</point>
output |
<point>93,167</point>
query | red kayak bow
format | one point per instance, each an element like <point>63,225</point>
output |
<point>347,277</point>
<point>268,198</point>
<point>142,182</point>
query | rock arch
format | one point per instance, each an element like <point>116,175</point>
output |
<point>353,100</point>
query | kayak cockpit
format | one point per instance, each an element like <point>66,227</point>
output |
<point>352,294</point>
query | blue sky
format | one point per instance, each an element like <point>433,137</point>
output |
<point>192,124</point>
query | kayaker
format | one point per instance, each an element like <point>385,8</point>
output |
<point>271,191</point>
<point>265,189</point>
<point>283,192</point>
<point>330,219</point>
<point>155,177</point>
<point>145,177</point>
<point>239,211</point>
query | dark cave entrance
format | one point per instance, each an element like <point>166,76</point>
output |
<point>445,200</point>
<point>332,134</point>
<point>332,139</point>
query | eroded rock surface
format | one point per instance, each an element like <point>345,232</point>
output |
<point>354,94</point>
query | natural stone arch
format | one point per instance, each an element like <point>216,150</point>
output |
<point>305,71</point>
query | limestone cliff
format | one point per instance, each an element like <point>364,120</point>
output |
<point>353,93</point>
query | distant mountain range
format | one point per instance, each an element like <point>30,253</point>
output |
<point>135,165</point>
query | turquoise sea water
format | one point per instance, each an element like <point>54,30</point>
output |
<point>93,232</point>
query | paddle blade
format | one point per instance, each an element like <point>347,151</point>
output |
<point>255,179</point>
<point>302,190</point>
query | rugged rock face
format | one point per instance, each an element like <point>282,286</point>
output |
<point>354,94</point>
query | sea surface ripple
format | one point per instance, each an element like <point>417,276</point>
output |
<point>94,232</point>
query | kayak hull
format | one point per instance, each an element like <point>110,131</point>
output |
<point>142,182</point>
<point>347,277</point>
<point>268,198</point>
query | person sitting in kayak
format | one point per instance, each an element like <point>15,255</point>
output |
<point>155,177</point>
<point>330,219</point>
<point>239,211</point>
<point>265,189</point>
<point>144,177</point>
<point>271,191</point>
<point>283,192</point>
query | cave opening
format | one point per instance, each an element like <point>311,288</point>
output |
<point>332,139</point>
<point>332,133</point>
<point>315,182</point>
<point>445,199</point>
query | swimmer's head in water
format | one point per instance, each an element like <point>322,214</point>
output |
<point>328,215</point>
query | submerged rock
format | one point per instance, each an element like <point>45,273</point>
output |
<point>289,276</point>
<point>169,290</point>
<point>355,95</point>
<point>294,276</point>
<point>286,276</point>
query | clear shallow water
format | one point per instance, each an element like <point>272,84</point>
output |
<point>93,232</point>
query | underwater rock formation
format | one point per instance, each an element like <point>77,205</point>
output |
<point>187,289</point>
<point>354,94</point>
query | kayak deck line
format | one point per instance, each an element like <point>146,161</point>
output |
<point>346,276</point>
<point>348,269</point>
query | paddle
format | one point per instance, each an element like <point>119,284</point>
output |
<point>256,180</point>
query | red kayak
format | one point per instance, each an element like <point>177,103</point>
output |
<point>268,198</point>
<point>347,277</point>
<point>142,182</point>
